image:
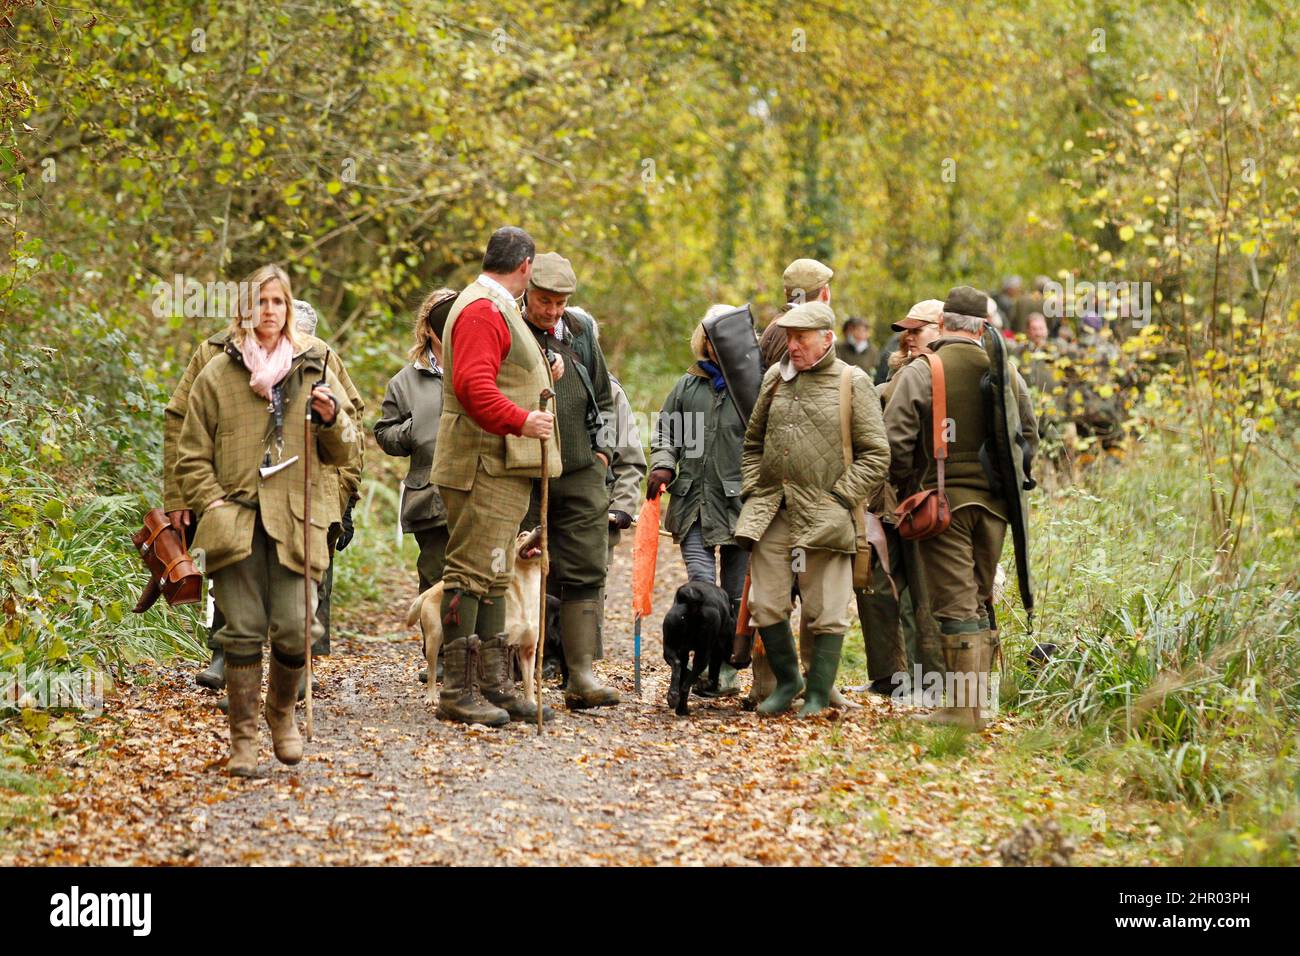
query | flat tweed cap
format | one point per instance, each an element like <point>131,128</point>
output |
<point>554,273</point>
<point>963,300</point>
<point>810,315</point>
<point>807,274</point>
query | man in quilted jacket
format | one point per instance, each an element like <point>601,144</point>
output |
<point>799,501</point>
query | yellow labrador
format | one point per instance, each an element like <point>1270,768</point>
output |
<point>523,603</point>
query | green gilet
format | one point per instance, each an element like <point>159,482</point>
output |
<point>462,444</point>
<point>964,478</point>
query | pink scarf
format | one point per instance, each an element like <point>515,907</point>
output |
<point>266,368</point>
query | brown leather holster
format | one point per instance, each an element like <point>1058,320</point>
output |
<point>171,571</point>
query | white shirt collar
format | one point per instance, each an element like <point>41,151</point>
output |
<point>496,287</point>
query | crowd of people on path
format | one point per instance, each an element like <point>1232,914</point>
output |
<point>774,508</point>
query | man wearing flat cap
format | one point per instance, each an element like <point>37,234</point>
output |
<point>799,501</point>
<point>578,505</point>
<point>804,280</point>
<point>959,564</point>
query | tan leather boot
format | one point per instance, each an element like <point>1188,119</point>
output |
<point>281,697</point>
<point>963,654</point>
<point>244,690</point>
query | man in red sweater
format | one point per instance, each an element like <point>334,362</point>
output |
<point>489,452</point>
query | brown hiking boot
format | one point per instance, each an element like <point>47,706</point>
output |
<point>579,629</point>
<point>244,689</point>
<point>281,696</point>
<point>497,683</point>
<point>459,700</point>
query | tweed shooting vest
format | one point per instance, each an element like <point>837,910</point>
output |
<point>463,445</point>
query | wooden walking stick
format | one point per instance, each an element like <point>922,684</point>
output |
<point>546,566</point>
<point>307,557</point>
<point>308,616</point>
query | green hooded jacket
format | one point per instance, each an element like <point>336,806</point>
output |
<point>698,437</point>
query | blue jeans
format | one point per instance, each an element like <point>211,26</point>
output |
<point>702,560</point>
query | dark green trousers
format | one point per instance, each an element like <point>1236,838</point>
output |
<point>577,530</point>
<point>433,555</point>
<point>902,632</point>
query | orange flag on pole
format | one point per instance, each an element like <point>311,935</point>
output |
<point>645,555</point>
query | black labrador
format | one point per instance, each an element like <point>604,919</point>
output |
<point>700,624</point>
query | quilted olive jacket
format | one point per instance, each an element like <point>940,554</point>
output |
<point>793,452</point>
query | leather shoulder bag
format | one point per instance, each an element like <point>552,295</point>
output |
<point>926,513</point>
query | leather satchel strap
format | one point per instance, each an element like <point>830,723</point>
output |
<point>938,411</point>
<point>846,414</point>
<point>874,529</point>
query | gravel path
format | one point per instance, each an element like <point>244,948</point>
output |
<point>385,782</point>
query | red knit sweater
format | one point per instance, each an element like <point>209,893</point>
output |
<point>480,342</point>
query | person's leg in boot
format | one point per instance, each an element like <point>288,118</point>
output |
<point>245,593</point>
<point>578,523</point>
<point>988,533</point>
<point>771,571</point>
<point>580,620</point>
<point>778,644</point>
<point>281,697</point>
<point>244,693</point>
<point>916,618</point>
<point>825,598</point>
<point>948,566</point>
<point>733,562</point>
<point>320,645</point>
<point>989,686</point>
<point>821,675</point>
<point>882,637</point>
<point>458,699</point>
<point>496,681</point>
<point>963,644</point>
<point>214,675</point>
<point>432,543</point>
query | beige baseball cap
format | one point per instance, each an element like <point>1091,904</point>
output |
<point>926,312</point>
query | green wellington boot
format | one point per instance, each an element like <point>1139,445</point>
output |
<point>579,630</point>
<point>244,689</point>
<point>214,675</point>
<point>281,697</point>
<point>821,673</point>
<point>459,700</point>
<point>783,658</point>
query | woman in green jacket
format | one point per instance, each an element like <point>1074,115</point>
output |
<point>695,455</point>
<point>240,468</point>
